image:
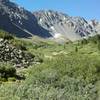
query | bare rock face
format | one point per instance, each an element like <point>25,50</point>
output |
<point>98,28</point>
<point>45,24</point>
<point>96,24</point>
<point>17,20</point>
<point>61,25</point>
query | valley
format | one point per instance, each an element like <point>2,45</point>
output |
<point>67,71</point>
<point>48,55</point>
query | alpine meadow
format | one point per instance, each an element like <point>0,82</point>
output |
<point>48,55</point>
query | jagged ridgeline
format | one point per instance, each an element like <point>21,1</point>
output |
<point>45,24</point>
<point>19,21</point>
<point>67,71</point>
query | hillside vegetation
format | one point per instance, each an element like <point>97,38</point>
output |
<point>69,71</point>
<point>14,55</point>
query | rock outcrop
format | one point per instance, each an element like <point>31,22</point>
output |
<point>62,25</point>
<point>9,53</point>
<point>96,24</point>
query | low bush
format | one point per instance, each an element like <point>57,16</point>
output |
<point>6,35</point>
<point>6,71</point>
<point>19,44</point>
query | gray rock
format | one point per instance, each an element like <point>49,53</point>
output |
<point>19,21</point>
<point>9,53</point>
<point>64,26</point>
<point>47,24</point>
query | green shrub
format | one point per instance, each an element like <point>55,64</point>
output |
<point>3,79</point>
<point>67,76</point>
<point>6,70</point>
<point>98,45</point>
<point>84,41</point>
<point>6,35</point>
<point>11,79</point>
<point>38,59</point>
<point>76,49</point>
<point>19,44</point>
<point>94,39</point>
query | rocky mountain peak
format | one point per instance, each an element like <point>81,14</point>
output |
<point>94,22</point>
<point>44,23</point>
<point>62,25</point>
<point>17,20</point>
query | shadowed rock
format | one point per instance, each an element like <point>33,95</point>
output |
<point>19,21</point>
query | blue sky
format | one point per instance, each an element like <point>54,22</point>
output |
<point>89,9</point>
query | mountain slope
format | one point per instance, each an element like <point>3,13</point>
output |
<point>45,24</point>
<point>59,24</point>
<point>17,20</point>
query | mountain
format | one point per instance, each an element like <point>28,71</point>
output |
<point>96,24</point>
<point>62,25</point>
<point>19,21</point>
<point>45,24</point>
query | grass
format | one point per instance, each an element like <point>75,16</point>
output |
<point>68,72</point>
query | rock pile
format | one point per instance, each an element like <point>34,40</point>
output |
<point>9,53</point>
